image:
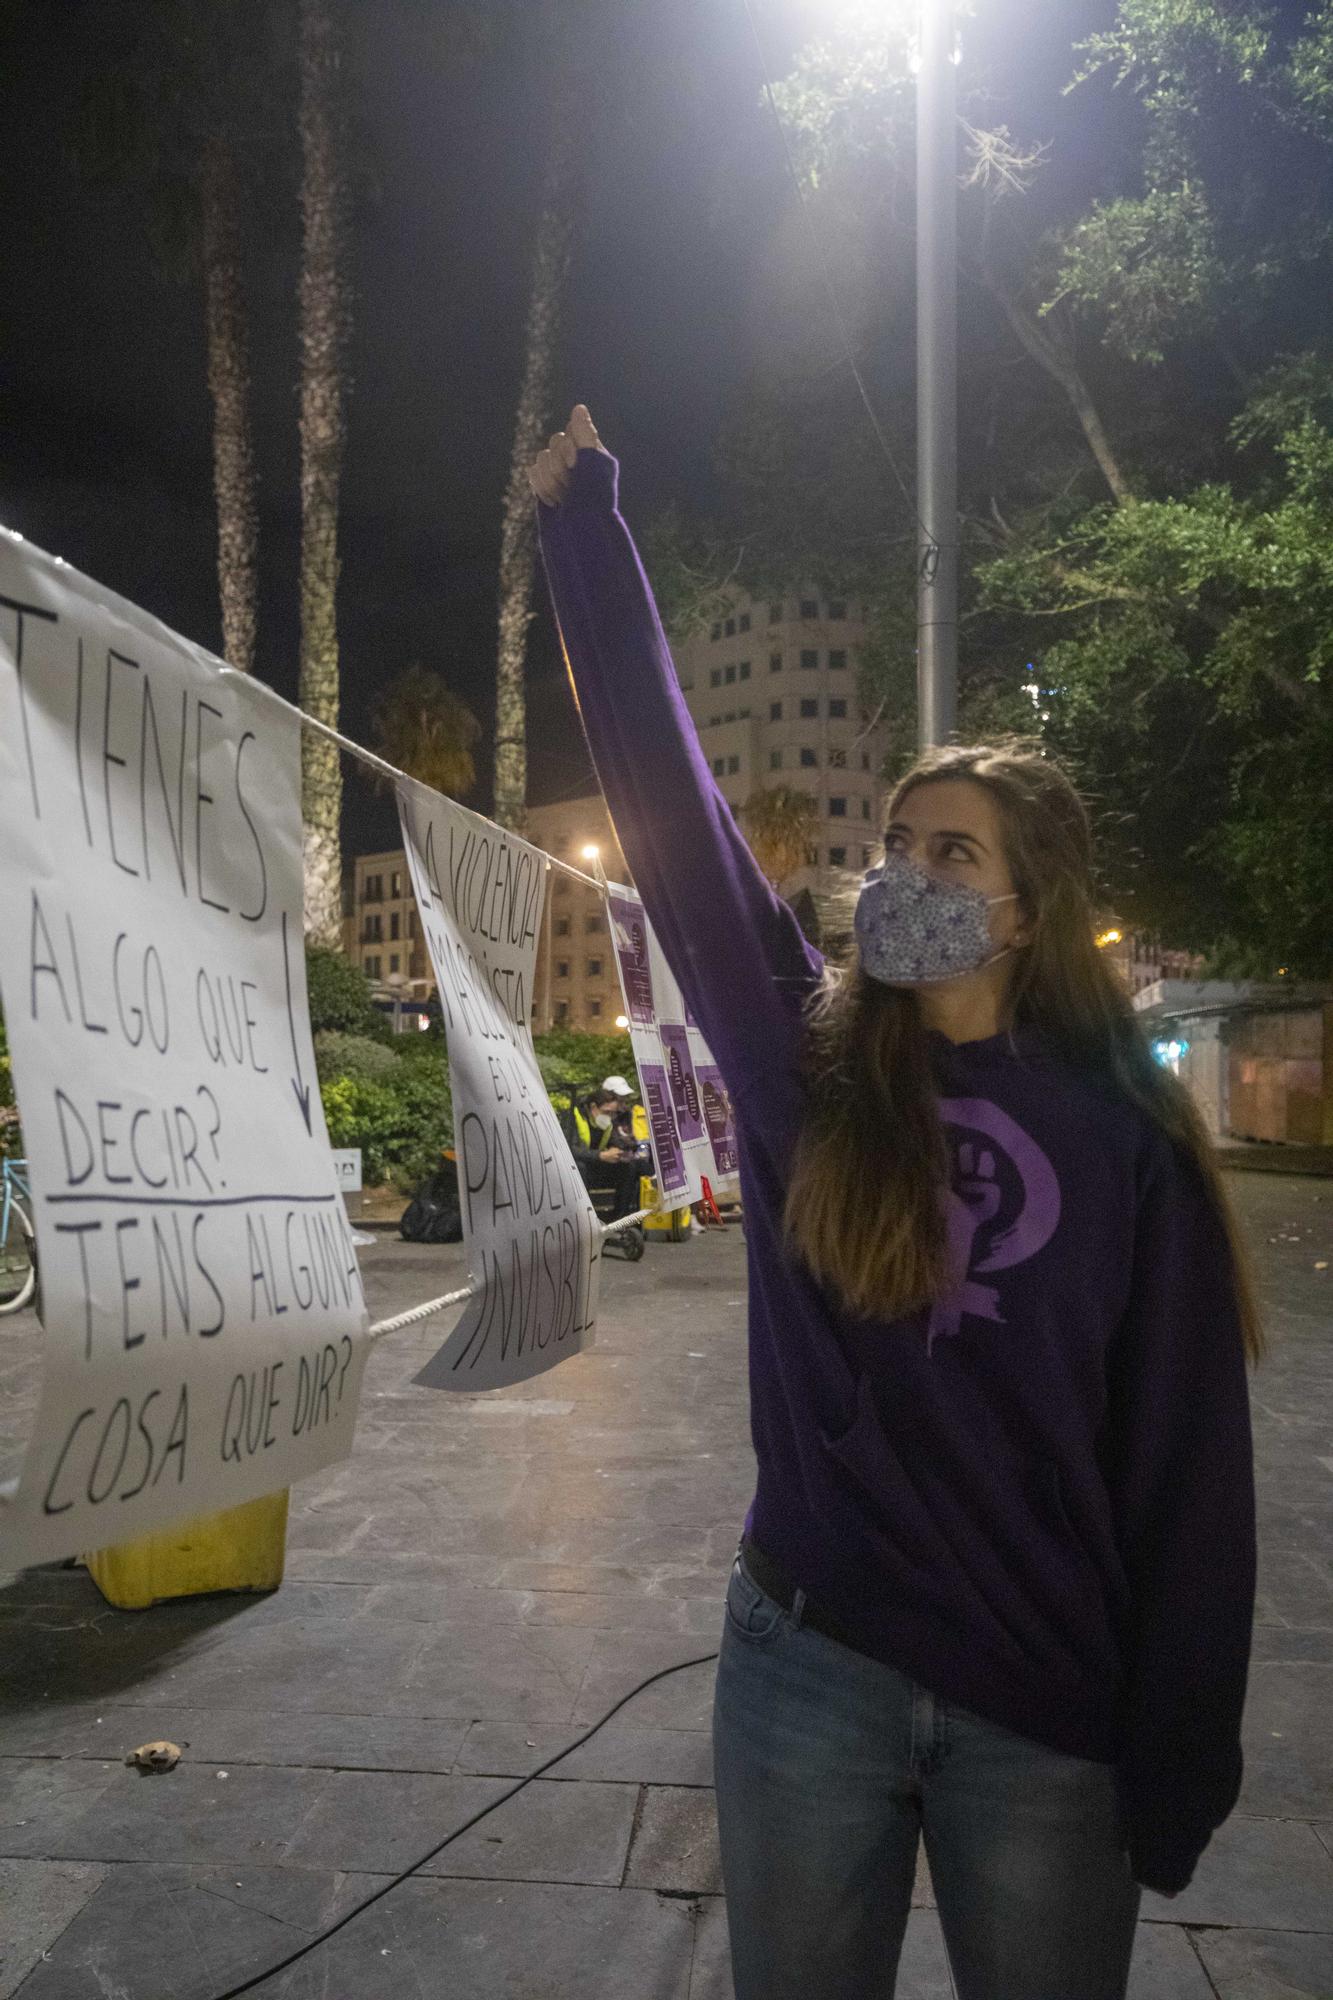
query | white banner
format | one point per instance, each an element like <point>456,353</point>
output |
<point>204,1331</point>
<point>533,1241</point>
<point>689,1111</point>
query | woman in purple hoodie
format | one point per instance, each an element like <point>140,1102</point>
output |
<point>996,1585</point>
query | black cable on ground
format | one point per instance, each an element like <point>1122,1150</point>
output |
<point>259,1978</point>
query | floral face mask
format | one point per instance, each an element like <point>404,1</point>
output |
<point>913,930</point>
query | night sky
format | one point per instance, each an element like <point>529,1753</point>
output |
<point>105,425</point>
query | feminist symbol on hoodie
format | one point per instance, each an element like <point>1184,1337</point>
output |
<point>1003,1207</point>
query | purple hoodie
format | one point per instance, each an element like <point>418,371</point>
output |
<point>1037,1498</point>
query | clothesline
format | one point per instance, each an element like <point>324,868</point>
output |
<point>387,770</point>
<point>433,1306</point>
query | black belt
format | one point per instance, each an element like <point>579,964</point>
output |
<point>773,1580</point>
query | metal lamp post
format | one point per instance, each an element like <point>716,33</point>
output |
<point>936,376</point>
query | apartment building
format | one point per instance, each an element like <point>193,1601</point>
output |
<point>382,933</point>
<point>576,984</point>
<point>772,688</point>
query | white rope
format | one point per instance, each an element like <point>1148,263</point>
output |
<point>433,1306</point>
<point>386,770</point>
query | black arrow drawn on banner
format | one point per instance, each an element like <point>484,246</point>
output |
<point>302,1089</point>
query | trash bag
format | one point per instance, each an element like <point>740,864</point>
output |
<point>434,1214</point>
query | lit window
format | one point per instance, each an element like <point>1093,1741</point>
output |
<point>808,760</point>
<point>809,706</point>
<point>743,622</point>
<point>837,658</point>
<point>809,608</point>
<point>809,659</point>
<point>837,808</point>
<point>775,663</point>
<point>837,707</point>
<point>775,711</point>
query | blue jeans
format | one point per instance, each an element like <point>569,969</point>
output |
<point>828,1766</point>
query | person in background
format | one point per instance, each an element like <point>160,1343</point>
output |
<point>996,1585</point>
<point>603,1155</point>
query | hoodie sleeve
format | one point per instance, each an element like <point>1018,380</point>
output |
<point>1182,1485</point>
<point>737,951</point>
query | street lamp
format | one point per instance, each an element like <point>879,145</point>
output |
<point>622,1020</point>
<point>936,374</point>
<point>591,851</point>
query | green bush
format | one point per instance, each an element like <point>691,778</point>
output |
<point>337,1054</point>
<point>340,997</point>
<point>401,1120</point>
<point>11,1139</point>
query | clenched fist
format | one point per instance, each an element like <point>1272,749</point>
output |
<point>548,475</point>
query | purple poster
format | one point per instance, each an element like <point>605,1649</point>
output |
<point>684,1085</point>
<point>629,927</point>
<point>671,1177</point>
<point>717,1114</point>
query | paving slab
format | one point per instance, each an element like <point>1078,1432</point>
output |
<point>1267,1964</point>
<point>622,1752</point>
<point>155,1932</point>
<point>39,1900</point>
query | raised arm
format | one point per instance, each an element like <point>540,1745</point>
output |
<point>736,949</point>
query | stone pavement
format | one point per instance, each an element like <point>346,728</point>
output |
<point>472,1590</point>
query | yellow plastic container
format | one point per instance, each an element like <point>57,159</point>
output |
<point>242,1549</point>
<point>674,1224</point>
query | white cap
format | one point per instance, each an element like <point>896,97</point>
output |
<point>617,1086</point>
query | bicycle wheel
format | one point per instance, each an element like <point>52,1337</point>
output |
<point>18,1261</point>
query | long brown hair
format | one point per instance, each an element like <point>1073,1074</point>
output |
<point>872,1118</point>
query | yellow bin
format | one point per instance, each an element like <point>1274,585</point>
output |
<point>674,1224</point>
<point>242,1549</point>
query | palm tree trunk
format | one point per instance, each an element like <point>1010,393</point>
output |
<point>229,386</point>
<point>517,541</point>
<point>324,322</point>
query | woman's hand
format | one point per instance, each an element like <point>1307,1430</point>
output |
<point>548,475</point>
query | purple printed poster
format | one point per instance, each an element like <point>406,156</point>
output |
<point>629,928</point>
<point>717,1116</point>
<point>681,1077</point>
<point>671,1175</point>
